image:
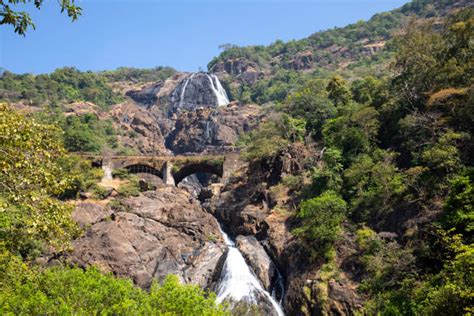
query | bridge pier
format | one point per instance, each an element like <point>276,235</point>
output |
<point>167,172</point>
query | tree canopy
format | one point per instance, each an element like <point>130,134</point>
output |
<point>21,20</point>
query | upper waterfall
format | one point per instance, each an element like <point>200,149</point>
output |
<point>196,90</point>
<point>219,91</point>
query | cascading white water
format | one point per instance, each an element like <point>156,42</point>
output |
<point>207,132</point>
<point>238,282</point>
<point>107,172</point>
<point>216,87</point>
<point>183,89</point>
<point>218,90</point>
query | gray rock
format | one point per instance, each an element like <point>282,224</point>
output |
<point>89,213</point>
<point>194,91</point>
<point>161,233</point>
<point>211,130</point>
<point>258,259</point>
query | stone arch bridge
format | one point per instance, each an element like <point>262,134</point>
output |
<point>172,169</point>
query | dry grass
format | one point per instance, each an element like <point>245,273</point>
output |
<point>445,94</point>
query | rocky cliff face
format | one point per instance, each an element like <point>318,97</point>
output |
<point>150,236</point>
<point>197,90</point>
<point>240,68</point>
<point>208,130</point>
<point>187,113</point>
<point>254,207</point>
<point>140,129</point>
<point>182,92</point>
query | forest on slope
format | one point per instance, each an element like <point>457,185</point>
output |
<point>395,176</point>
<point>267,73</point>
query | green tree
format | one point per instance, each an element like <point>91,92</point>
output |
<point>338,91</point>
<point>370,91</point>
<point>73,291</point>
<point>312,104</point>
<point>328,176</point>
<point>21,20</point>
<point>374,186</point>
<point>264,142</point>
<point>458,210</point>
<point>30,178</point>
<point>321,218</point>
<point>428,60</point>
<point>353,132</point>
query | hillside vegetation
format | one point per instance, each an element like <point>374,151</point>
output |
<point>66,85</point>
<point>396,172</point>
<point>354,51</point>
<point>391,172</point>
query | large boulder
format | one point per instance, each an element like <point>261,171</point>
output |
<point>153,235</point>
<point>258,259</point>
<point>86,213</point>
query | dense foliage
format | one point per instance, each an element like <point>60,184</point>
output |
<point>395,155</point>
<point>34,173</point>
<point>64,85</point>
<point>60,291</point>
<point>353,51</point>
<point>31,176</point>
<point>138,75</point>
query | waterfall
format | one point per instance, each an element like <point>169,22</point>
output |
<point>107,172</point>
<point>218,90</point>
<point>216,87</point>
<point>238,283</point>
<point>183,89</point>
<point>207,133</point>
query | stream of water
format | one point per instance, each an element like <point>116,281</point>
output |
<point>216,87</point>
<point>107,172</point>
<point>238,282</point>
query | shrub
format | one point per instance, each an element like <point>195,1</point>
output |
<point>321,219</point>
<point>73,291</point>
<point>131,188</point>
<point>121,173</point>
<point>100,192</point>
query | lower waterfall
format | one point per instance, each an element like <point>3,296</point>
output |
<point>238,283</point>
<point>107,172</point>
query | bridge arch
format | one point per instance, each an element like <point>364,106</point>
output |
<point>196,168</point>
<point>144,168</point>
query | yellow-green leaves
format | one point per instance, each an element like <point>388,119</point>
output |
<point>30,177</point>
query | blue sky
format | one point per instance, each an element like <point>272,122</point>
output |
<point>184,34</point>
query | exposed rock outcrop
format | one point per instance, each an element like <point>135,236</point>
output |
<point>151,236</point>
<point>246,202</point>
<point>141,129</point>
<point>155,94</point>
<point>240,68</point>
<point>197,90</point>
<point>256,256</point>
<point>147,95</point>
<point>182,92</point>
<point>86,213</point>
<point>301,61</point>
<point>207,130</point>
<point>81,108</point>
